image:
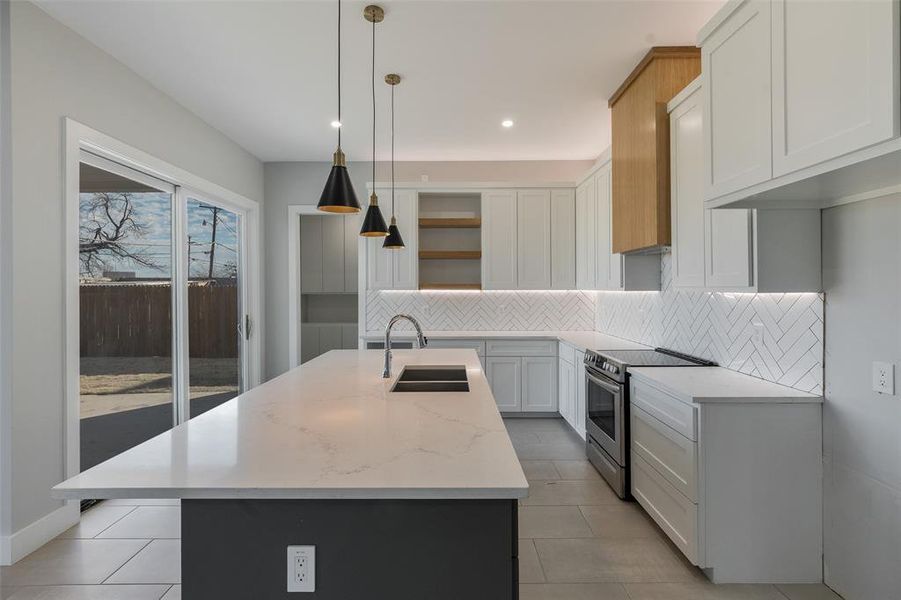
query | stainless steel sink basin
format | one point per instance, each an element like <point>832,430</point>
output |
<point>432,378</point>
<point>433,373</point>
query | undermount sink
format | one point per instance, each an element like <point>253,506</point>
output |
<point>432,378</point>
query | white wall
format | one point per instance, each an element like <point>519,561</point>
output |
<point>301,183</point>
<point>862,429</point>
<point>55,74</point>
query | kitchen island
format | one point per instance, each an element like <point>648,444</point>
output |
<point>403,494</point>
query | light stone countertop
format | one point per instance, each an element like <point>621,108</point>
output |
<point>697,385</point>
<point>327,429</point>
<point>581,340</point>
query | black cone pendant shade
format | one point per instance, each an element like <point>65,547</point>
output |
<point>393,241</point>
<point>373,222</point>
<point>338,196</point>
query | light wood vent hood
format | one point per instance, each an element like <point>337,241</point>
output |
<point>641,185</point>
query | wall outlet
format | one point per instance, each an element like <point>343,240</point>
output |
<point>301,568</point>
<point>757,336</point>
<point>884,378</point>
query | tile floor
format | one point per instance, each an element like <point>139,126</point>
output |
<point>578,541</point>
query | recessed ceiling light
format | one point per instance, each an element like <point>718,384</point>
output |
<point>336,124</point>
<point>507,123</point>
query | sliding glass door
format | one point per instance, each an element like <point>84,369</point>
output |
<point>215,305</point>
<point>125,301</point>
<point>163,332</point>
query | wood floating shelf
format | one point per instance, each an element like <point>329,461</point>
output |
<point>450,286</point>
<point>470,223</point>
<point>450,254</point>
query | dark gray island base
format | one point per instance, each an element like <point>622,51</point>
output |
<point>365,549</point>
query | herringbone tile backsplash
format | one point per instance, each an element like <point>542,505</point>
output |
<point>719,326</point>
<point>485,311</point>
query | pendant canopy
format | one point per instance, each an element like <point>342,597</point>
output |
<point>338,196</point>
<point>373,221</point>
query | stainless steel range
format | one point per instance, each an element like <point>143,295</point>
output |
<point>607,406</point>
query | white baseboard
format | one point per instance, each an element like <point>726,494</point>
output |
<point>31,537</point>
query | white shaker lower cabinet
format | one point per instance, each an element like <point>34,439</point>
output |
<point>566,392</point>
<point>539,384</point>
<point>505,378</point>
<point>522,374</point>
<point>571,388</point>
<point>736,484</point>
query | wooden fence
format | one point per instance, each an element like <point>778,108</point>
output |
<point>136,320</point>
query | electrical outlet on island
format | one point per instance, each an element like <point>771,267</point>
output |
<point>301,568</point>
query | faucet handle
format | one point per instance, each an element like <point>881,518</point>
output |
<point>425,341</point>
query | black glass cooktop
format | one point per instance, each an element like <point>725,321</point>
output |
<point>651,358</point>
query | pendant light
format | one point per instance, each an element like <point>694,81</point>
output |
<point>373,222</point>
<point>338,196</point>
<point>394,241</point>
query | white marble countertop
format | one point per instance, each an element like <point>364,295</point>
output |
<point>327,429</point>
<point>696,385</point>
<point>582,340</point>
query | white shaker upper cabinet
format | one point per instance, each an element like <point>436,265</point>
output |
<point>730,248</point>
<point>686,193</point>
<point>499,243</point>
<point>736,79</point>
<point>406,261</point>
<point>608,265</point>
<point>534,235</point>
<point>563,242</point>
<point>835,79</point>
<point>379,262</point>
<point>395,269</point>
<point>586,236</point>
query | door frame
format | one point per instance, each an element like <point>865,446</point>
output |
<point>294,274</point>
<point>79,137</point>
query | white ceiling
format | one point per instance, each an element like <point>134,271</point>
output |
<point>263,72</point>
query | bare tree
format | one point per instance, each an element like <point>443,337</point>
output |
<point>107,225</point>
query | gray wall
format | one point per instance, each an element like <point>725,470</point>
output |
<point>301,183</point>
<point>862,440</point>
<point>56,73</point>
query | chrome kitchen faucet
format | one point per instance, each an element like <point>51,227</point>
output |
<point>422,340</point>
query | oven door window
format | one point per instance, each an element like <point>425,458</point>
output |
<point>602,405</point>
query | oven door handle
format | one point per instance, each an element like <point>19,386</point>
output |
<point>613,389</point>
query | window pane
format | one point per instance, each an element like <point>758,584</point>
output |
<point>125,276</point>
<point>213,305</point>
